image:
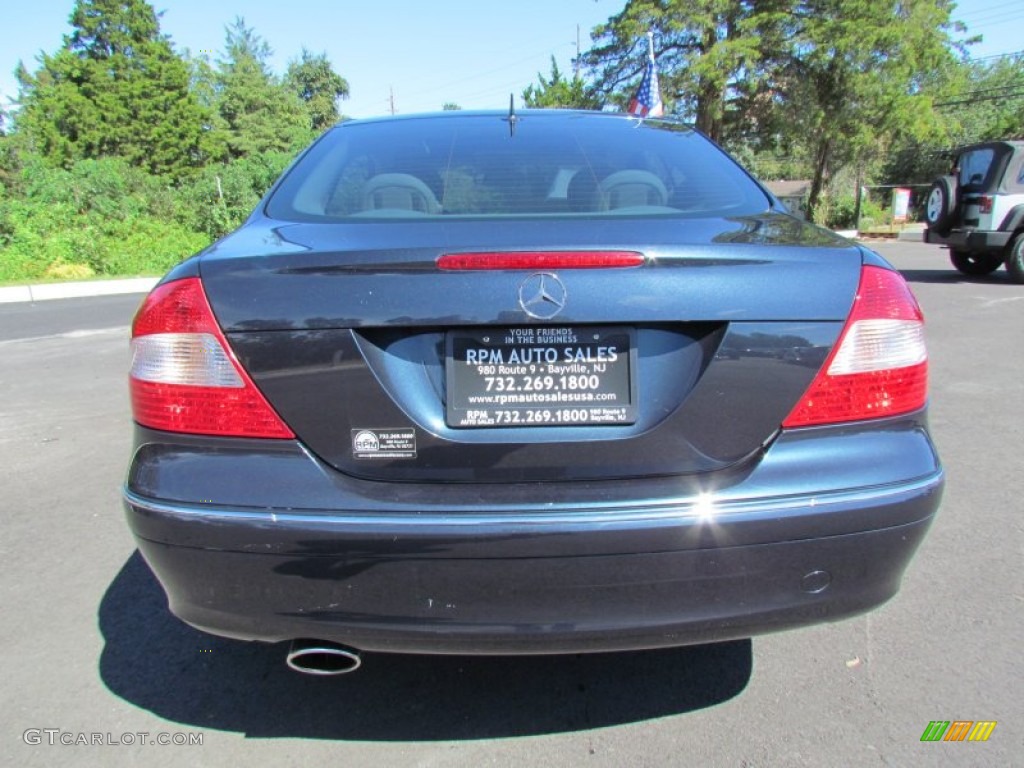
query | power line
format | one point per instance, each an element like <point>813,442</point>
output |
<point>994,97</point>
<point>1002,16</point>
<point>477,75</point>
<point>991,8</point>
<point>994,89</point>
<point>1008,55</point>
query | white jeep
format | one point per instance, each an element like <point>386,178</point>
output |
<point>977,211</point>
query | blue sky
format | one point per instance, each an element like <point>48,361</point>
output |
<point>472,52</point>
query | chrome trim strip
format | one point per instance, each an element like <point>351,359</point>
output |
<point>703,510</point>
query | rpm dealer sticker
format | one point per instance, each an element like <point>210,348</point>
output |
<point>384,443</point>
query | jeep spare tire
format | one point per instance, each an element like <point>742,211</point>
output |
<point>941,204</point>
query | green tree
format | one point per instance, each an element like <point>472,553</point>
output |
<point>710,56</point>
<point>116,87</point>
<point>450,106</point>
<point>853,80</point>
<point>974,101</point>
<point>560,92</point>
<point>100,216</point>
<point>315,82</point>
<point>989,103</point>
<point>259,113</point>
<point>223,195</point>
<point>204,85</point>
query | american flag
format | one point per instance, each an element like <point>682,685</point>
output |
<point>647,102</point>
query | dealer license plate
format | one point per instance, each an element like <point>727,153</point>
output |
<point>535,377</point>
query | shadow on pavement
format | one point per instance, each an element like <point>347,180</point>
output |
<point>951,276</point>
<point>158,663</point>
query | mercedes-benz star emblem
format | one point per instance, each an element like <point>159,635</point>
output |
<point>542,295</point>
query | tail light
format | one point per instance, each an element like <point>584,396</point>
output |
<point>540,260</point>
<point>985,204</point>
<point>879,366</point>
<point>184,376</point>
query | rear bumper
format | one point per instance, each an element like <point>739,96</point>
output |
<point>626,565</point>
<point>411,604</point>
<point>970,240</point>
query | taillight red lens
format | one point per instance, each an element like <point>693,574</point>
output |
<point>879,366</point>
<point>540,260</point>
<point>985,204</point>
<point>184,376</point>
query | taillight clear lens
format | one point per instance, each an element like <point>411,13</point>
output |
<point>872,345</point>
<point>184,377</point>
<point>879,366</point>
<point>195,359</point>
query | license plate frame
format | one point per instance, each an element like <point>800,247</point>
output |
<point>523,376</point>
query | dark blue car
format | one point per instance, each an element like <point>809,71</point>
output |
<point>488,383</point>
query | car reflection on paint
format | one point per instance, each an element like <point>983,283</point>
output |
<point>810,356</point>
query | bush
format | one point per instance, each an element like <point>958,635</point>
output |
<point>68,272</point>
<point>872,214</point>
<point>841,212</point>
<point>101,217</point>
<point>105,217</point>
<point>148,246</point>
<point>39,245</point>
<point>221,197</point>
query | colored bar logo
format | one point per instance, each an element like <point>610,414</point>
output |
<point>958,730</point>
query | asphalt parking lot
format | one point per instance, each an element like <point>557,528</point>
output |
<point>89,652</point>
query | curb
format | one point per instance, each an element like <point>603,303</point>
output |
<point>51,291</point>
<point>911,235</point>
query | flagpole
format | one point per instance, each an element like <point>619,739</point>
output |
<point>647,101</point>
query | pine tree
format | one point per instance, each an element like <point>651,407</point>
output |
<point>852,78</point>
<point>115,88</point>
<point>259,113</point>
<point>709,55</point>
<point>319,87</point>
<point>559,92</point>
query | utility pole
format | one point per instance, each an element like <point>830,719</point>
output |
<point>391,98</point>
<point>576,61</point>
<point>859,197</point>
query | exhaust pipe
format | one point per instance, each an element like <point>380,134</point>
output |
<point>314,657</point>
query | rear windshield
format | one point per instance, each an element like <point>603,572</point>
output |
<point>476,166</point>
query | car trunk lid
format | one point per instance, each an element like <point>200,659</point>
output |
<point>717,335</point>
